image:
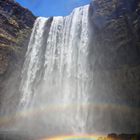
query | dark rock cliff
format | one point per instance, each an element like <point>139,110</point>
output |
<point>16,24</point>
<point>114,136</point>
<point>117,25</point>
<point>115,58</point>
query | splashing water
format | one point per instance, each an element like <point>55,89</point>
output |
<point>55,79</point>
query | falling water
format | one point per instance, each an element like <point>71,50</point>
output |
<point>55,78</point>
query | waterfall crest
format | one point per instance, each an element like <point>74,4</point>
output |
<point>55,78</point>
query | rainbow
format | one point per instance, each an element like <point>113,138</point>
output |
<point>61,107</point>
<point>74,137</point>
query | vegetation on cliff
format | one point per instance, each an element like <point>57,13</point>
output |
<point>16,23</point>
<point>114,136</point>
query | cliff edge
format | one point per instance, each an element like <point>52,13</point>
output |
<point>16,23</point>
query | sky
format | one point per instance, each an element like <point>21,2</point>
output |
<point>47,8</point>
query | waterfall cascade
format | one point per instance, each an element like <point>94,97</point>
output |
<point>56,74</point>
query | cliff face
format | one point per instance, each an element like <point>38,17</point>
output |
<point>114,136</point>
<point>117,25</point>
<point>115,58</point>
<point>16,23</point>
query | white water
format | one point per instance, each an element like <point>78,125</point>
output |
<point>55,79</point>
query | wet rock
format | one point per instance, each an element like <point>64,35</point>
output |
<point>123,136</point>
<point>16,24</point>
<point>116,27</point>
<point>115,60</point>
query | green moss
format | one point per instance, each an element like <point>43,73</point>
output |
<point>103,138</point>
<point>133,139</point>
<point>10,48</point>
<point>22,35</point>
<point>8,38</point>
<point>13,22</point>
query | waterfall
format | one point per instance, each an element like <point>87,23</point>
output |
<point>55,77</point>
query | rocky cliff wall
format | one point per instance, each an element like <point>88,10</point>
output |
<point>16,24</point>
<point>115,59</point>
